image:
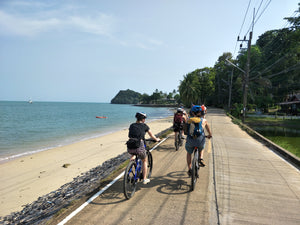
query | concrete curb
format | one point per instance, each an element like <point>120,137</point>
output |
<point>291,158</point>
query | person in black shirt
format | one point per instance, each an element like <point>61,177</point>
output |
<point>138,130</point>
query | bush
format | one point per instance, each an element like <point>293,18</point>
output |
<point>236,110</point>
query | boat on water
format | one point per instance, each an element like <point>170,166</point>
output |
<point>30,101</point>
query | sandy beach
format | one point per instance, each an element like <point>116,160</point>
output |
<point>25,179</point>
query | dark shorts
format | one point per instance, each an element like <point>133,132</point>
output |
<point>177,127</point>
<point>191,143</point>
<point>140,152</point>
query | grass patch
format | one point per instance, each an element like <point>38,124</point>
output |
<point>273,121</point>
<point>289,143</point>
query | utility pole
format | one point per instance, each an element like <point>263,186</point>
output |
<point>246,77</point>
<point>230,87</point>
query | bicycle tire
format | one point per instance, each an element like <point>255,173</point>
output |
<point>150,164</point>
<point>129,181</point>
<point>177,140</point>
<point>194,170</point>
<point>180,138</point>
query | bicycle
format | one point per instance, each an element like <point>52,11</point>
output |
<point>195,167</point>
<point>134,173</point>
<point>178,140</point>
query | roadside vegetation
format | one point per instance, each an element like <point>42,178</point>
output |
<point>284,132</point>
<point>289,143</point>
<point>272,121</point>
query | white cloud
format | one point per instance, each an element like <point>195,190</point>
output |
<point>19,25</point>
<point>155,42</point>
<point>14,25</point>
<point>101,24</point>
<point>33,19</point>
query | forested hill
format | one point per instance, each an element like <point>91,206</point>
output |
<point>126,97</point>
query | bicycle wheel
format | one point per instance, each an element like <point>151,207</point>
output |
<point>150,164</point>
<point>129,182</point>
<point>194,170</point>
<point>180,138</point>
<point>177,140</point>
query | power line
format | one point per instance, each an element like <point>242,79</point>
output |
<point>284,71</point>
<point>274,43</point>
<point>245,17</point>
<point>267,69</point>
<point>242,25</point>
<point>259,14</point>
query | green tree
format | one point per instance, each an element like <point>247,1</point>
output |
<point>197,86</point>
<point>188,89</point>
<point>156,96</point>
<point>145,99</point>
<point>222,80</point>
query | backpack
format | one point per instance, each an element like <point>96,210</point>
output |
<point>195,129</point>
<point>135,131</point>
<point>133,143</point>
<point>135,136</point>
<point>177,118</point>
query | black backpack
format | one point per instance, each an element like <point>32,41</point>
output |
<point>177,118</point>
<point>135,136</point>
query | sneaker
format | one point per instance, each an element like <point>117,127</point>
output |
<point>201,162</point>
<point>146,181</point>
<point>189,172</point>
<point>182,137</point>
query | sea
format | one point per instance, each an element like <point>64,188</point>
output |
<point>27,128</point>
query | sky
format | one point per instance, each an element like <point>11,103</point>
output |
<point>87,51</point>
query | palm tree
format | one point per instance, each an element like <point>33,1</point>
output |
<point>188,89</point>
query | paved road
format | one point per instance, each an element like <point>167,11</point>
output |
<point>253,184</point>
<point>243,183</point>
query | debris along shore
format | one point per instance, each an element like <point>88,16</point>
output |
<point>41,210</point>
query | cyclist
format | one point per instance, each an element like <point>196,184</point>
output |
<point>203,107</point>
<point>178,120</point>
<point>185,116</point>
<point>137,131</point>
<point>196,141</point>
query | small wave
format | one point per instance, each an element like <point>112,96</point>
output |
<point>8,158</point>
<point>66,142</point>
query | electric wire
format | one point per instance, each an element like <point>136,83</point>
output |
<point>274,42</point>
<point>242,25</point>
<point>256,19</point>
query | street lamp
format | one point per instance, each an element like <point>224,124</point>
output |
<point>235,66</point>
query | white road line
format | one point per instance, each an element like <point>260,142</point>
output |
<point>101,191</point>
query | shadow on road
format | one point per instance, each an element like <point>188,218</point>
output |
<point>171,184</point>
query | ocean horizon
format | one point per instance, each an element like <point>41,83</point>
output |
<point>27,128</point>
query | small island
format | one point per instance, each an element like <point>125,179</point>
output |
<point>157,99</point>
<point>126,97</point>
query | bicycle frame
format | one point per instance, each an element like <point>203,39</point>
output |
<point>138,169</point>
<point>195,168</point>
<point>133,173</point>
